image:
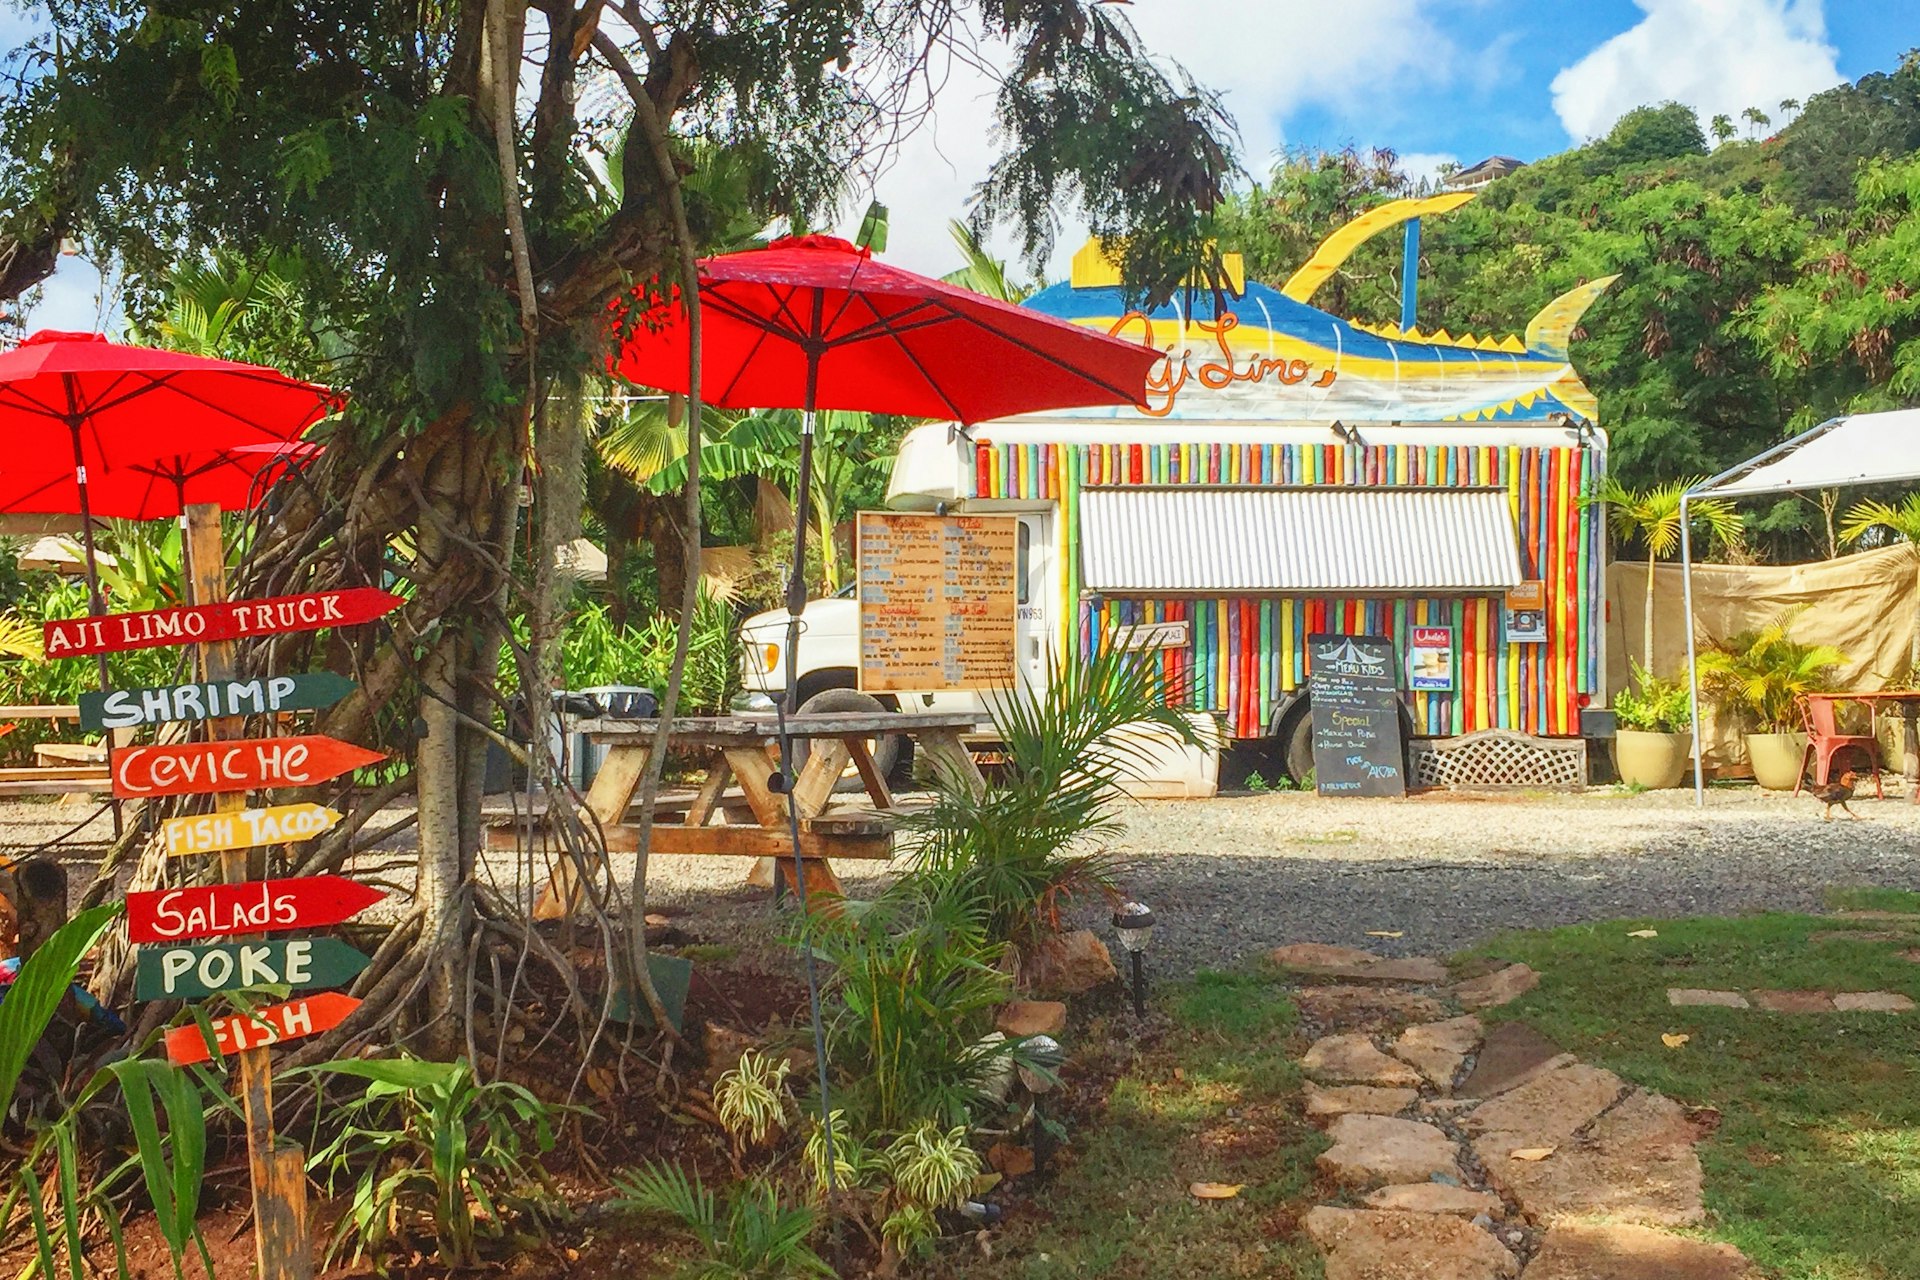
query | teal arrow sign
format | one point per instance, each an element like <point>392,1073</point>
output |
<point>262,695</point>
<point>193,973</point>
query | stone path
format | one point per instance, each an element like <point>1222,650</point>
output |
<point>1793,1001</point>
<point>1467,1153</point>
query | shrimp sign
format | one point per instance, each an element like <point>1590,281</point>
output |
<point>207,623</point>
<point>244,764</point>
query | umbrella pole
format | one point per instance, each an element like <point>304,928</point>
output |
<point>796,605</point>
<point>96,603</point>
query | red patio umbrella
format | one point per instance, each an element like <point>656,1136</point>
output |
<point>812,322</point>
<point>162,488</point>
<point>74,407</point>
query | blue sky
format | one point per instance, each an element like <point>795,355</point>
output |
<point>1435,80</point>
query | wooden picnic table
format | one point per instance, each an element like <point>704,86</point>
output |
<point>744,757</point>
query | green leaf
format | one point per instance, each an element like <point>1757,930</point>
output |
<point>39,988</point>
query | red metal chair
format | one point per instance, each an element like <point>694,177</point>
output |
<point>1825,741</point>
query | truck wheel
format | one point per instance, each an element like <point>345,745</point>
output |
<point>1296,741</point>
<point>885,749</point>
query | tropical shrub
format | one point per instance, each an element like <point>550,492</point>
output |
<point>914,986</point>
<point>1760,673</point>
<point>1025,847</point>
<point>1654,705</point>
<point>755,1238</point>
<point>751,1099</point>
<point>171,1163</point>
<point>430,1150</point>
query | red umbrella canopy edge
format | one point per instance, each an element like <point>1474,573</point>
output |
<point>117,404</point>
<point>814,322</point>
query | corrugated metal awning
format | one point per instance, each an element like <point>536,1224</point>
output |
<point>1319,539</point>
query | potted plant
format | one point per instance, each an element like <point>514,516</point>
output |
<point>1760,675</point>
<point>1654,739</point>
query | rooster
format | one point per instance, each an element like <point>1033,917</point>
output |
<point>1836,793</point>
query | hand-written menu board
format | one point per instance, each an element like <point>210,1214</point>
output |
<point>936,601</point>
<point>1356,716</point>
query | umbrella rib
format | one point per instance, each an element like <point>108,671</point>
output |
<point>932,384</point>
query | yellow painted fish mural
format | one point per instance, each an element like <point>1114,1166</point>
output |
<point>1269,355</point>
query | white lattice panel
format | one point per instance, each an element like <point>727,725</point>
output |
<point>1499,760</point>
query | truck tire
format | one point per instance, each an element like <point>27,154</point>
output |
<point>886,749</point>
<point>1296,745</point>
<point>1296,742</point>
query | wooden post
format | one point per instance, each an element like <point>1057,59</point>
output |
<point>279,1169</point>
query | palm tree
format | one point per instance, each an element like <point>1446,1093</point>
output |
<point>1653,516</point>
<point>1789,107</point>
<point>1872,521</point>
<point>1722,127</point>
<point>984,273</point>
<point>1756,120</point>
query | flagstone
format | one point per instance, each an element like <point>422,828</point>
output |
<point>1636,1163</point>
<point>1354,1059</point>
<point>1620,1251</point>
<point>1547,1109</point>
<point>1512,1054</point>
<point>1356,965</point>
<point>1871,1002</point>
<point>1497,988</point>
<point>1437,1049</point>
<point>1436,1197</point>
<point>1373,1150</point>
<point>1376,1244</point>
<point>1694,997</point>
<point>1325,1103</point>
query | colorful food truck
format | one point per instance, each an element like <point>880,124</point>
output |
<point>1291,474</point>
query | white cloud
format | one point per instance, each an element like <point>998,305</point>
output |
<point>1266,59</point>
<point>1717,56</point>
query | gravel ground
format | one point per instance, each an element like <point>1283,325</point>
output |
<point>1232,876</point>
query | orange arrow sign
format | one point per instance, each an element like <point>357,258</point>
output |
<point>244,764</point>
<point>290,1021</point>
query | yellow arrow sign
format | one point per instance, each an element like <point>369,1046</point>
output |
<point>246,828</point>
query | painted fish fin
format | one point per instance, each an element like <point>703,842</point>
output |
<point>1549,331</point>
<point>1335,249</point>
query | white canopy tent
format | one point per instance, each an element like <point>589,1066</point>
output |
<point>1861,448</point>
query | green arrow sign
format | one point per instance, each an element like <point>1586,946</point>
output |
<point>193,973</point>
<point>125,708</point>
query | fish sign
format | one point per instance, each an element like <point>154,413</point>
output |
<point>246,828</point>
<point>125,708</point>
<point>243,764</point>
<point>188,1045</point>
<point>193,973</point>
<point>255,906</point>
<point>207,623</point>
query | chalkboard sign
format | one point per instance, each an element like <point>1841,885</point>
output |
<point>1356,716</point>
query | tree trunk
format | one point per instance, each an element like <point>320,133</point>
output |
<point>1648,650</point>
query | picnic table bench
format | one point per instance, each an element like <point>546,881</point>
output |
<point>744,744</point>
<point>66,768</point>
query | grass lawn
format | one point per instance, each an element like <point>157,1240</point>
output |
<point>1815,1169</point>
<point>1208,1094</point>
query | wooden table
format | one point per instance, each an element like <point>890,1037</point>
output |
<point>1906,704</point>
<point>745,746</point>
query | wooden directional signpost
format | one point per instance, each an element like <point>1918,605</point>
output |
<point>194,973</point>
<point>227,766</point>
<point>125,708</point>
<point>215,622</point>
<point>246,764</point>
<point>246,828</point>
<point>246,1033</point>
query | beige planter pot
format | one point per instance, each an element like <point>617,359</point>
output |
<point>1776,759</point>
<point>1651,760</point>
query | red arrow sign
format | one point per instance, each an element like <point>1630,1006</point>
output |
<point>243,764</point>
<point>262,1027</point>
<point>228,620</point>
<point>255,906</point>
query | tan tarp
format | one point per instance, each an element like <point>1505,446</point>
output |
<point>1864,605</point>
